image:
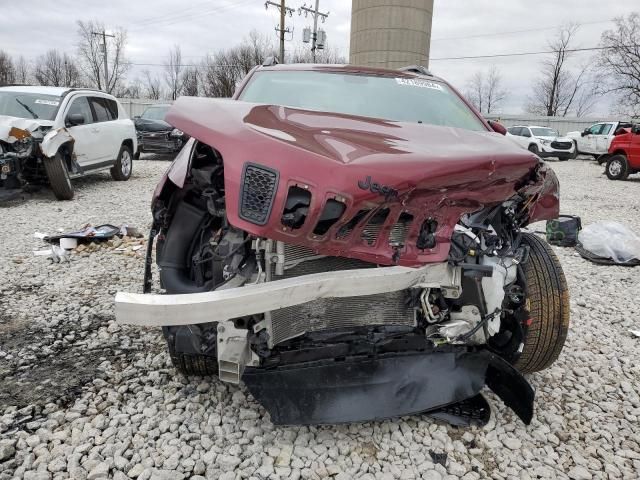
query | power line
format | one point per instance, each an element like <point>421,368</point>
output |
<point>512,32</point>
<point>183,17</point>
<point>522,54</point>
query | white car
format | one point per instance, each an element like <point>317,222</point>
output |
<point>52,134</point>
<point>543,141</point>
<point>596,139</point>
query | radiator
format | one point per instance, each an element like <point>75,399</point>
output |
<point>334,313</point>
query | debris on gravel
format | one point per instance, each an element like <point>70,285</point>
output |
<point>85,398</point>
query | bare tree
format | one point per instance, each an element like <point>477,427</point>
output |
<point>559,89</point>
<point>485,90</point>
<point>57,69</point>
<point>7,73</point>
<point>151,85</point>
<point>173,72</point>
<point>223,70</point>
<point>475,91</point>
<point>191,82</point>
<point>21,69</point>
<point>91,53</point>
<point>495,93</point>
<point>620,61</point>
<point>326,55</point>
<point>130,90</point>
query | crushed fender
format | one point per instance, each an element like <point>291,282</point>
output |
<point>53,140</point>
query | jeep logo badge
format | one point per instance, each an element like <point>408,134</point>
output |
<point>374,187</point>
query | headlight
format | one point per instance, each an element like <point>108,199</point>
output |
<point>176,133</point>
<point>545,142</point>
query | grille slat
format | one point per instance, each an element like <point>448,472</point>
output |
<point>259,186</point>
<point>561,145</point>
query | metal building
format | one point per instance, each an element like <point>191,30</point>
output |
<point>390,33</point>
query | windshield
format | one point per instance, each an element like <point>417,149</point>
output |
<point>401,99</point>
<point>544,132</point>
<point>29,105</point>
<point>155,113</point>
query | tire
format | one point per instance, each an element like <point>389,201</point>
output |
<point>574,155</point>
<point>601,159</point>
<point>617,168</point>
<point>548,304</point>
<point>123,167</point>
<point>183,237</point>
<point>58,175</point>
<point>534,149</point>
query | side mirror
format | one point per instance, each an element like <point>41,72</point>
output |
<point>635,129</point>
<point>586,132</point>
<point>497,127</point>
<point>75,119</point>
<point>137,117</point>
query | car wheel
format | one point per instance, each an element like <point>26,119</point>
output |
<point>617,168</point>
<point>574,155</point>
<point>123,167</point>
<point>547,300</point>
<point>192,348</point>
<point>534,149</point>
<point>58,175</point>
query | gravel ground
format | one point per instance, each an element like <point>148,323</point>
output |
<point>81,397</point>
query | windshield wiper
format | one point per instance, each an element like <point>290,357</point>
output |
<point>28,109</point>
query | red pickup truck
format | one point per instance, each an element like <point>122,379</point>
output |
<point>623,158</point>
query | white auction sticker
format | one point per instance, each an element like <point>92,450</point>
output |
<point>53,103</point>
<point>418,82</point>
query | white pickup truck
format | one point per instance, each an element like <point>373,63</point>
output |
<point>596,139</point>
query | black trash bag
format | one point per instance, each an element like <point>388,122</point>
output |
<point>563,231</point>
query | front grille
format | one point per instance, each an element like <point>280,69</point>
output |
<point>335,313</point>
<point>561,145</point>
<point>258,189</point>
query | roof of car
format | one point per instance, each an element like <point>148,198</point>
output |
<point>345,68</point>
<point>529,126</point>
<point>37,89</point>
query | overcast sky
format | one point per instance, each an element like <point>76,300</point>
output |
<point>460,28</point>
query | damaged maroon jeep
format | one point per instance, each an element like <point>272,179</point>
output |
<point>348,243</point>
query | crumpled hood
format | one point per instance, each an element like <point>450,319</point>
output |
<point>14,128</point>
<point>433,172</point>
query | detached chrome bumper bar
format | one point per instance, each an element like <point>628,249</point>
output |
<point>221,305</point>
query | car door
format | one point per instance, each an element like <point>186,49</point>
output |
<point>525,137</point>
<point>634,149</point>
<point>81,132</point>
<point>587,143</point>
<point>106,132</point>
<point>515,134</point>
<point>603,138</point>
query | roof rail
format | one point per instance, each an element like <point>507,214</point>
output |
<point>270,61</point>
<point>416,69</point>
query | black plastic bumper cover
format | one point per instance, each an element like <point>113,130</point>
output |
<point>376,388</point>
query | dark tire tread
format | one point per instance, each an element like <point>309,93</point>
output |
<point>548,299</point>
<point>58,177</point>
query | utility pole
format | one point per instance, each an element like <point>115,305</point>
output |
<point>282,29</point>
<point>105,59</point>
<point>314,35</point>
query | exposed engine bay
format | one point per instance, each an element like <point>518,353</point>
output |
<point>288,321</point>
